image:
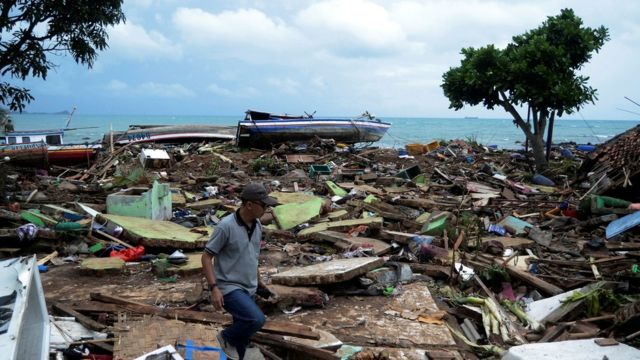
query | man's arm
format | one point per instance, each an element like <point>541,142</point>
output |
<point>207,267</point>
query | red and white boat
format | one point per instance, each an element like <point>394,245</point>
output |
<point>42,148</point>
<point>28,147</point>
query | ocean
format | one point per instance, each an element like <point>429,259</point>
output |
<point>500,132</point>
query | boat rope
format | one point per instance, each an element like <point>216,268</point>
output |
<point>357,129</point>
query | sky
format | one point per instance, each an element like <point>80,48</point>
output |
<point>336,57</point>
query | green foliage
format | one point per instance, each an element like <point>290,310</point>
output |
<point>538,70</point>
<point>134,177</point>
<point>213,167</point>
<point>495,275</point>
<point>596,299</point>
<point>472,140</point>
<point>4,115</point>
<point>264,164</point>
<point>33,29</point>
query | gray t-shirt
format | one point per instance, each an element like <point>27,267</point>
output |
<point>236,255</point>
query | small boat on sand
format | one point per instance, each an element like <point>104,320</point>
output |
<point>262,130</point>
<point>42,147</point>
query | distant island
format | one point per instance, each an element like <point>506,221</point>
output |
<point>471,117</point>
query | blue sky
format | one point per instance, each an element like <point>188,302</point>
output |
<point>339,57</point>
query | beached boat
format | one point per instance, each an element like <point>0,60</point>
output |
<point>170,134</point>
<point>19,145</point>
<point>262,129</point>
<point>29,154</point>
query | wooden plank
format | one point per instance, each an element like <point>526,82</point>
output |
<point>275,327</point>
<point>305,351</point>
<point>530,279</point>
<point>553,333</point>
<point>623,246</point>
<point>88,322</point>
<point>47,258</point>
<point>397,236</point>
<point>114,239</point>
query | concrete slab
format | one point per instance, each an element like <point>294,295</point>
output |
<point>102,265</point>
<point>368,352</point>
<point>373,223</point>
<point>289,296</point>
<point>192,266</point>
<point>158,233</point>
<point>585,349</point>
<point>329,272</point>
<point>365,322</point>
<point>292,197</point>
<point>346,242</point>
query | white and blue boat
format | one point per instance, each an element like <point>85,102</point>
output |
<point>263,130</point>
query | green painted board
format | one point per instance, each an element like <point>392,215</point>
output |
<point>423,217</point>
<point>289,216</point>
<point>370,199</point>
<point>158,233</point>
<point>435,227</point>
<point>335,189</point>
<point>27,216</point>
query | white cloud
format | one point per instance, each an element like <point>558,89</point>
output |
<point>116,85</point>
<point>353,28</point>
<point>245,92</point>
<point>248,34</point>
<point>283,85</point>
<point>150,89</point>
<point>165,90</point>
<point>133,41</point>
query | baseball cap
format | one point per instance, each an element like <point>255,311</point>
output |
<point>257,192</point>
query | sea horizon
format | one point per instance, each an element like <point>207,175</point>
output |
<point>404,130</point>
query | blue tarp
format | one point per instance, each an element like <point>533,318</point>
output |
<point>623,224</point>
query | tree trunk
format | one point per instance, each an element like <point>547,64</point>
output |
<point>537,146</point>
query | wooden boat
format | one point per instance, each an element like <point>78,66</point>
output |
<point>27,154</point>
<point>18,145</point>
<point>170,134</point>
<point>262,129</point>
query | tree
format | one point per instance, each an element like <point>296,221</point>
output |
<point>537,72</point>
<point>32,29</point>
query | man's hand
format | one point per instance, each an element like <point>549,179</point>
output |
<point>217,299</point>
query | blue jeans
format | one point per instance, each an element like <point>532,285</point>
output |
<point>247,319</point>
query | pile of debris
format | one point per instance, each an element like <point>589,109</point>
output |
<point>443,251</point>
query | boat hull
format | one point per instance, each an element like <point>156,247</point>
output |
<point>172,134</point>
<point>27,154</point>
<point>72,154</point>
<point>264,133</point>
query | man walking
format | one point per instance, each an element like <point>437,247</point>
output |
<point>230,264</point>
